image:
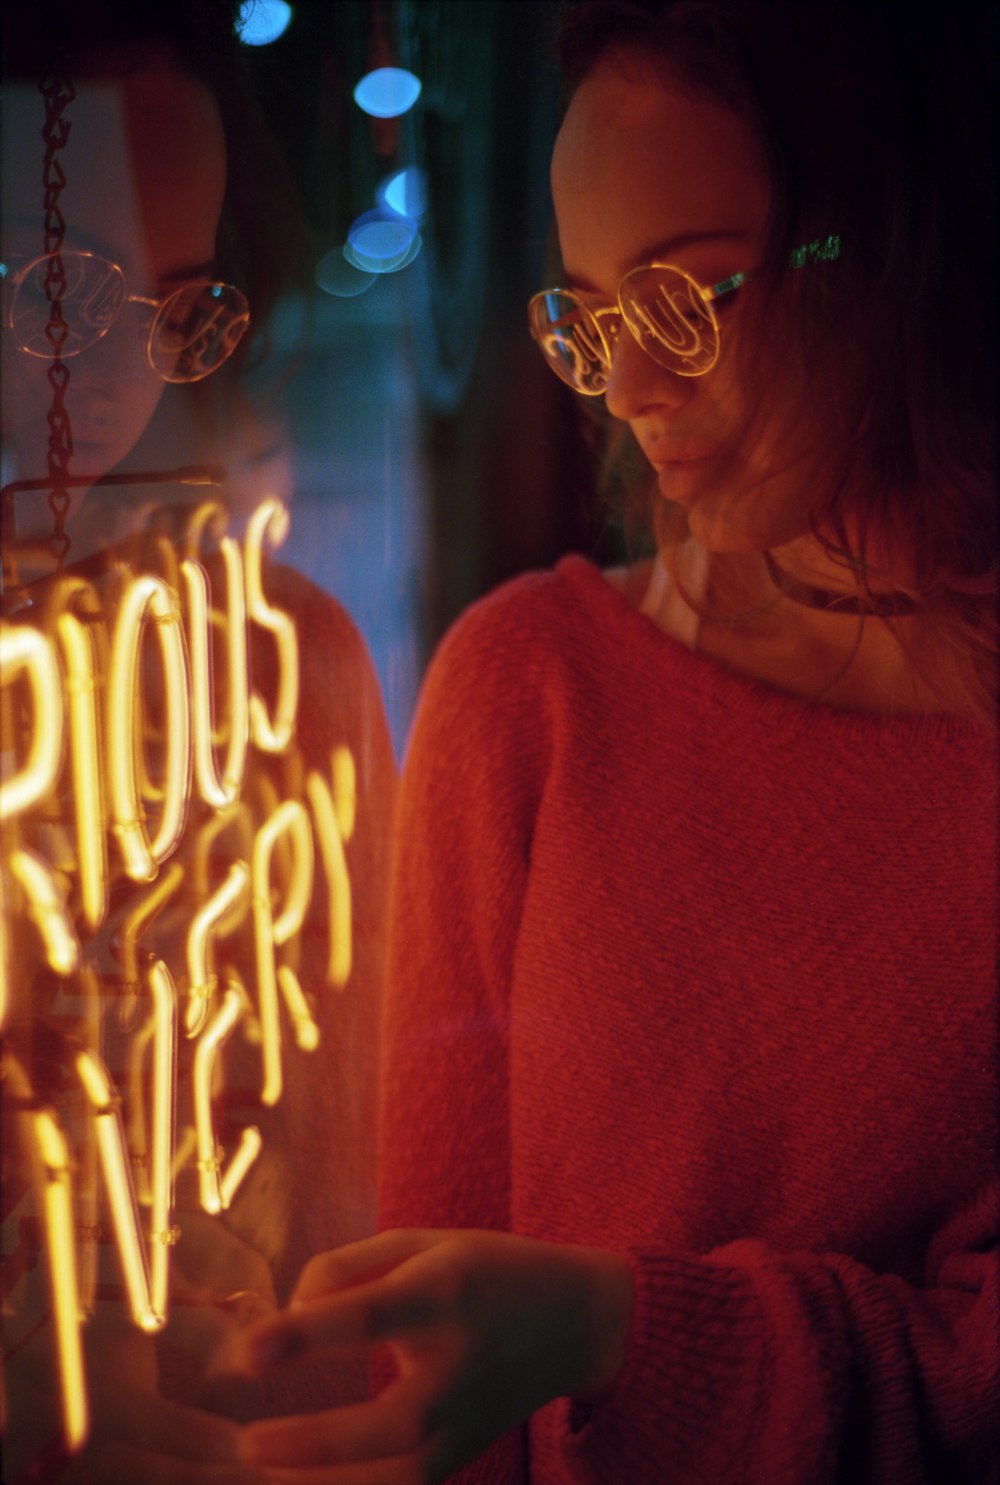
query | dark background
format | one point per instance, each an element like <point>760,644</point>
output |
<point>504,478</point>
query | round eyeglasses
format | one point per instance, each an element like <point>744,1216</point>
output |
<point>187,334</point>
<point>669,314</point>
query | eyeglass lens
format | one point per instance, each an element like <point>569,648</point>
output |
<point>195,330</point>
<point>572,340</point>
<point>188,336</point>
<point>665,310</point>
<point>671,319</point>
<point>91,292</point>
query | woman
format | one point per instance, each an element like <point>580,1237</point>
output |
<point>689,1084</point>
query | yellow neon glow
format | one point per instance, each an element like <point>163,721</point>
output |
<point>217,791</point>
<point>345,790</point>
<point>147,596</point>
<point>291,820</point>
<point>85,1152</point>
<point>47,906</point>
<point>201,978</point>
<point>331,849</point>
<point>306,1030</point>
<point>29,651</point>
<point>208,513</point>
<point>57,1218</point>
<point>232,1177</point>
<point>4,953</point>
<point>161,1169</point>
<point>137,1136</point>
<point>218,1186</point>
<point>134,925</point>
<point>272,734</point>
<point>168,562</point>
<point>88,803</point>
<point>121,1198</point>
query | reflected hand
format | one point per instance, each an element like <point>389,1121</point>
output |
<point>136,1436</point>
<point>485,1328</point>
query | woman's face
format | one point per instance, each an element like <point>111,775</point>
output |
<point>144,167</point>
<point>646,170</point>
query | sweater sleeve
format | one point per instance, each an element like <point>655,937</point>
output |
<point>747,1364</point>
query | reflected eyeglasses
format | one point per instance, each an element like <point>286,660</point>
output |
<point>671,316</point>
<point>187,334</point>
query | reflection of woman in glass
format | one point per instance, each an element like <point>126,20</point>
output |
<point>174,225</point>
<point>690,1085</point>
<point>150,241</point>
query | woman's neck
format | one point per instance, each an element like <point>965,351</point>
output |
<point>788,636</point>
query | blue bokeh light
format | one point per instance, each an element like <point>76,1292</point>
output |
<point>383,266</point>
<point>263,21</point>
<point>380,241</point>
<point>387,92</point>
<point>405,193</point>
<point>336,275</point>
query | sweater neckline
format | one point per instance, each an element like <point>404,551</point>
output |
<point>713,682</point>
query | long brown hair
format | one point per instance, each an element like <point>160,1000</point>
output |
<point>878,126</point>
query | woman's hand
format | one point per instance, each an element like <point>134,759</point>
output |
<point>485,1328</point>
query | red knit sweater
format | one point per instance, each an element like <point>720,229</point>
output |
<point>700,973</point>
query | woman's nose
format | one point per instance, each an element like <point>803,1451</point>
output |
<point>637,384</point>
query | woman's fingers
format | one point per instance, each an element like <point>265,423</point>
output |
<point>400,1421</point>
<point>406,1469</point>
<point>373,1312</point>
<point>402,1303</point>
<point>117,1463</point>
<point>356,1263</point>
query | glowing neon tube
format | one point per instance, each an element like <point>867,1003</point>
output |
<point>306,1030</point>
<point>201,978</point>
<point>338,881</point>
<point>57,1220</point>
<point>47,907</point>
<point>88,802</point>
<point>121,1196</point>
<point>162,1235</point>
<point>134,925</point>
<point>137,1135</point>
<point>272,734</point>
<point>288,819</point>
<point>29,651</point>
<point>216,1186</point>
<point>215,790</point>
<point>147,595</point>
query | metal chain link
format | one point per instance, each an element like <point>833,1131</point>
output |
<point>58,92</point>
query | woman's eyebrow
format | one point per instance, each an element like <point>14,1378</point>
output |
<point>661,251</point>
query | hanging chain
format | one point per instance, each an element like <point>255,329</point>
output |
<point>57,92</point>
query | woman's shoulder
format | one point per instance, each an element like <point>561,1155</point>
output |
<point>512,657</point>
<point>559,604</point>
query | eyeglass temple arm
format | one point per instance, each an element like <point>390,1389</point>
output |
<point>823,250</point>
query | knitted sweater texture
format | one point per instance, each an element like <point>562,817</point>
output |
<point>703,974</point>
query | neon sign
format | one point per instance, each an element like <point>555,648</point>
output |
<point>164,848</point>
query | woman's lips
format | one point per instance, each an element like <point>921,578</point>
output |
<point>675,458</point>
<point>681,476</point>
